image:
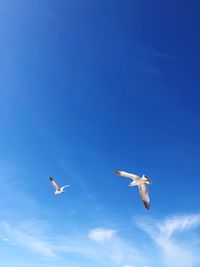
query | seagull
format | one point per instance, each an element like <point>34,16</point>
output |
<point>59,190</point>
<point>141,183</point>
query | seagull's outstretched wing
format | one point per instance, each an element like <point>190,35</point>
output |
<point>54,184</point>
<point>64,186</point>
<point>127,174</point>
<point>144,195</point>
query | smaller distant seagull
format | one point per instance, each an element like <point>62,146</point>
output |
<point>141,183</point>
<point>59,190</point>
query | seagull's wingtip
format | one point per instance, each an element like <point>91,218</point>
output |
<point>147,205</point>
<point>117,172</point>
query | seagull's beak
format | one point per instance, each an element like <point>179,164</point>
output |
<point>117,172</point>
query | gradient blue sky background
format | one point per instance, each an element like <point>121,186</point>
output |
<point>87,87</point>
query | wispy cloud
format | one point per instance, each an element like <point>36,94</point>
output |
<point>174,238</point>
<point>16,235</point>
<point>106,247</point>
<point>101,234</point>
<point>179,251</point>
<point>172,225</point>
<point>102,245</point>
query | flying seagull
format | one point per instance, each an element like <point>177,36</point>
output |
<point>141,183</point>
<point>59,190</point>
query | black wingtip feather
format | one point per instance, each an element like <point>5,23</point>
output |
<point>147,205</point>
<point>116,172</point>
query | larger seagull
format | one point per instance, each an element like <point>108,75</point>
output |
<point>141,183</point>
<point>59,190</point>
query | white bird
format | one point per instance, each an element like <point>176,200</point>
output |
<point>59,190</point>
<point>141,183</point>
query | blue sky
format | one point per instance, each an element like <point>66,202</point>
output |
<point>88,87</point>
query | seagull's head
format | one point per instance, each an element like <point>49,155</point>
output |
<point>132,183</point>
<point>146,179</point>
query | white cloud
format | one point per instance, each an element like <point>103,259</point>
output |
<point>108,249</point>
<point>178,251</point>
<point>101,234</point>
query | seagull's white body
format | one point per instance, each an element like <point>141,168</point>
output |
<point>59,190</point>
<point>141,183</point>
